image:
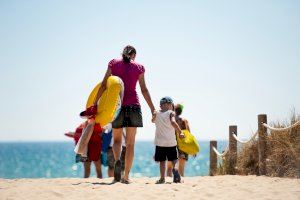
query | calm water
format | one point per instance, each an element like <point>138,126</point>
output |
<point>56,159</point>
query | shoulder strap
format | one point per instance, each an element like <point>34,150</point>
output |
<point>170,114</point>
<point>185,124</point>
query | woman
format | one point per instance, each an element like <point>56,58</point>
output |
<point>130,116</point>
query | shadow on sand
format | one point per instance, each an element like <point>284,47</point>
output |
<point>95,183</point>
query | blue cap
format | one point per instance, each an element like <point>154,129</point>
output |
<point>166,100</point>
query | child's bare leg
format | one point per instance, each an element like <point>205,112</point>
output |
<point>110,172</point>
<point>176,175</point>
<point>162,167</point>
<point>87,169</point>
<point>82,145</point>
<point>169,169</point>
<point>181,166</point>
<point>174,164</point>
<point>98,168</point>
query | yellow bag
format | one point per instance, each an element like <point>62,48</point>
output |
<point>110,101</point>
<point>189,144</point>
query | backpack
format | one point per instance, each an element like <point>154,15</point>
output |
<point>189,144</point>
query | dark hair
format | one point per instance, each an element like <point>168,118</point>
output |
<point>127,52</point>
<point>178,109</point>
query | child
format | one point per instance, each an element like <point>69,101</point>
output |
<point>165,139</point>
<point>183,157</point>
<point>93,149</point>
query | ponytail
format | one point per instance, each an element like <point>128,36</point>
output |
<point>128,51</point>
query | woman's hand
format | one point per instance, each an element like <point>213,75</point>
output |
<point>153,112</point>
<point>153,115</point>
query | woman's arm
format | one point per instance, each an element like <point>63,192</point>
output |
<point>103,86</point>
<point>146,93</point>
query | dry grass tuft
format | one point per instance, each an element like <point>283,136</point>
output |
<point>283,154</point>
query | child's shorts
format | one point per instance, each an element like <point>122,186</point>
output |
<point>165,153</point>
<point>183,155</point>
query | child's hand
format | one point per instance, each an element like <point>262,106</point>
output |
<point>181,135</point>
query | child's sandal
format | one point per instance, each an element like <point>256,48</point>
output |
<point>176,176</point>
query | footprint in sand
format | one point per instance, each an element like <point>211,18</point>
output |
<point>57,194</point>
<point>209,194</point>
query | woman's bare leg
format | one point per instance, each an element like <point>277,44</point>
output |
<point>87,169</point>
<point>130,140</point>
<point>117,146</point>
<point>98,168</point>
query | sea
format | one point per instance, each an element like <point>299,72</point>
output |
<point>57,160</point>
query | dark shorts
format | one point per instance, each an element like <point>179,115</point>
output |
<point>165,153</point>
<point>129,116</point>
<point>183,155</point>
<point>111,159</point>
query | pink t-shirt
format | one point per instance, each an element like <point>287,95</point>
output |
<point>129,73</point>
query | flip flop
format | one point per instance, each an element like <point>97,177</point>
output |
<point>160,181</point>
<point>117,171</point>
<point>125,181</point>
<point>176,176</point>
<point>79,158</point>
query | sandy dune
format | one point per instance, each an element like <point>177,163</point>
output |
<point>219,187</point>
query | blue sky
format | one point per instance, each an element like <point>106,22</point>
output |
<point>226,61</point>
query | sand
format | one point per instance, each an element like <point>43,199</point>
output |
<point>218,187</point>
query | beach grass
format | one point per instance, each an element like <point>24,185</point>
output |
<point>283,153</point>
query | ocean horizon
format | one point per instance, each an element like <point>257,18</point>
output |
<point>56,159</point>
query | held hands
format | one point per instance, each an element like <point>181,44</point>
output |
<point>153,112</point>
<point>153,115</point>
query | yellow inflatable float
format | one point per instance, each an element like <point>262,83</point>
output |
<point>110,101</point>
<point>188,144</point>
